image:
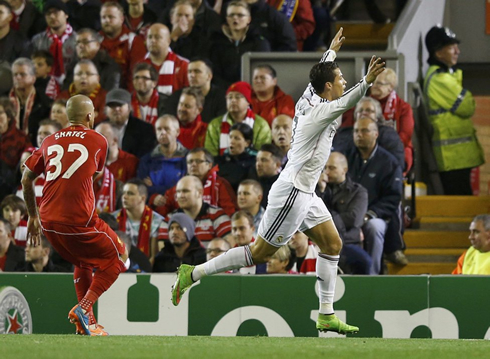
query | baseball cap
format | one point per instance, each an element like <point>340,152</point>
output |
<point>118,96</point>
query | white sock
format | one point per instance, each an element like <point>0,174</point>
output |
<point>326,273</point>
<point>232,259</point>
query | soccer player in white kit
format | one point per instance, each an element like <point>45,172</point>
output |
<point>292,202</point>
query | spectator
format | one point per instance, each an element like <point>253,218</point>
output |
<point>282,132</point>
<point>192,129</point>
<point>124,46</point>
<point>378,171</point>
<point>130,130</point>
<point>137,261</point>
<point>139,17</point>
<point>58,113</point>
<point>88,47</point>
<point>84,14</point>
<point>211,222</point>
<point>146,102</point>
<point>216,190</point>
<point>187,40</point>
<point>12,140</point>
<point>12,43</point>
<point>281,261</point>
<point>137,220</point>
<point>242,225</point>
<point>11,256</point>
<point>238,100</point>
<point>86,81</point>
<point>476,259</point>
<point>165,165</point>
<point>236,162</point>
<point>301,17</point>
<point>200,74</point>
<point>206,19</point>
<point>107,191</point>
<point>171,68</point>
<point>38,182</point>
<point>45,83</point>
<point>236,37</point>
<point>347,202</point>
<point>249,197</point>
<point>396,112</point>
<point>267,168</point>
<point>268,100</point>
<point>306,254</point>
<point>122,164</point>
<point>59,38</point>
<point>217,247</point>
<point>273,26</point>
<point>368,107</point>
<point>14,210</point>
<point>454,142</point>
<point>47,128</point>
<point>30,106</point>
<point>38,259</point>
<point>181,247</point>
<point>27,19</point>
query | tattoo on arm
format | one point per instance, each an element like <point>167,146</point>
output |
<point>29,194</point>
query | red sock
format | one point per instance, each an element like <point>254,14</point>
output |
<point>103,279</point>
<point>88,301</point>
<point>82,278</point>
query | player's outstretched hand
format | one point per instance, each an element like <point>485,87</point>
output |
<point>337,41</point>
<point>34,231</point>
<point>376,66</point>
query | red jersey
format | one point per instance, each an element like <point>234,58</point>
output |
<point>125,167</point>
<point>172,74</point>
<point>69,159</point>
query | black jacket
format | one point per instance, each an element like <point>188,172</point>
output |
<point>139,138</point>
<point>348,203</point>
<point>194,45</point>
<point>40,111</point>
<point>86,15</point>
<point>15,257</point>
<point>167,261</point>
<point>235,168</point>
<point>31,21</point>
<point>13,46</point>
<point>381,176</point>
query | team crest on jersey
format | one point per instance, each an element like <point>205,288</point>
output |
<point>279,239</point>
<point>15,314</point>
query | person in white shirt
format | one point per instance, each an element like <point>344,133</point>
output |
<point>292,203</point>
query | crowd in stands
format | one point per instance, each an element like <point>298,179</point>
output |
<point>193,151</point>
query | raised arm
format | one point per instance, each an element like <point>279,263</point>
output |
<point>33,224</point>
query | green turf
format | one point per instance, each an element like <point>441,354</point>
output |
<point>71,346</point>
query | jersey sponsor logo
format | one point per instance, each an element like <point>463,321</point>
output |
<point>15,314</point>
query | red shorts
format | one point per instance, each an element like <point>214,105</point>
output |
<point>95,246</point>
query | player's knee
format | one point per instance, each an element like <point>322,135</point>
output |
<point>332,246</point>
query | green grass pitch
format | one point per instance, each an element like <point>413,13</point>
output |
<point>71,346</point>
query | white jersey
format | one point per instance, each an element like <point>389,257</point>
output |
<point>313,129</point>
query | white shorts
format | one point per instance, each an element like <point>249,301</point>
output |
<point>289,210</point>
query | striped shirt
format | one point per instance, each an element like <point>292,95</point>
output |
<point>211,222</point>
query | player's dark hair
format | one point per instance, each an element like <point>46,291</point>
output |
<point>322,73</point>
<point>246,131</point>
<point>142,66</point>
<point>209,157</point>
<point>142,188</point>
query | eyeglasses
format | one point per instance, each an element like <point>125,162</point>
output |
<point>141,78</point>
<point>196,161</point>
<point>84,42</point>
<point>240,16</point>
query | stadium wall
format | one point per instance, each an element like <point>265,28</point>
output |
<point>229,305</point>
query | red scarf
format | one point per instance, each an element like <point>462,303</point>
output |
<point>22,124</point>
<point>146,112</point>
<point>194,134</point>
<point>105,196</point>
<point>224,139</point>
<point>390,108</point>
<point>52,88</point>
<point>72,91</point>
<point>145,228</point>
<point>210,188</point>
<point>56,49</point>
<point>20,234</point>
<point>166,73</point>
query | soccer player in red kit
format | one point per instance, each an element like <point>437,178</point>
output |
<point>70,159</point>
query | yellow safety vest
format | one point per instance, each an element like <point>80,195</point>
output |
<point>476,262</point>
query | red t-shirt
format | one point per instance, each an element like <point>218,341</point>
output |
<point>69,158</point>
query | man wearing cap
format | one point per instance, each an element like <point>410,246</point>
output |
<point>454,142</point>
<point>135,136</point>
<point>181,246</point>
<point>238,102</point>
<point>59,38</point>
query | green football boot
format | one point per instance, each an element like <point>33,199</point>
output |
<point>182,283</point>
<point>330,323</point>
